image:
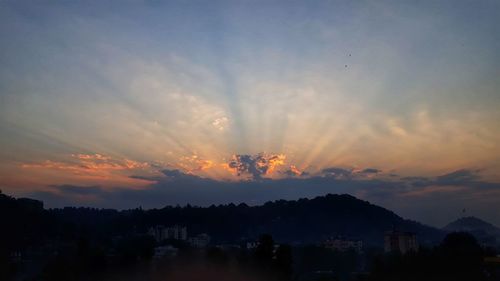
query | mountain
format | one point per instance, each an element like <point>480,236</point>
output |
<point>297,221</point>
<point>486,233</point>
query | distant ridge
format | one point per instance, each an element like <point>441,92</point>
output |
<point>295,221</point>
<point>486,233</point>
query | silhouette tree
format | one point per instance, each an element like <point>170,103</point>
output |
<point>283,262</point>
<point>264,253</point>
<point>458,258</point>
<point>265,250</point>
<point>462,257</point>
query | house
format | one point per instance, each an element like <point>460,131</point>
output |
<point>165,251</point>
<point>162,233</point>
<point>199,241</point>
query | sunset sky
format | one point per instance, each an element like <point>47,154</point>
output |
<point>121,104</point>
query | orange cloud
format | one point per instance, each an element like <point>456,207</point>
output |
<point>90,168</point>
<point>194,163</point>
<point>88,163</point>
<point>91,156</point>
<point>295,171</point>
<point>275,161</point>
<point>255,165</point>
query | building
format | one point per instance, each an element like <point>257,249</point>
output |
<point>156,232</point>
<point>177,232</point>
<point>402,242</point>
<point>165,251</point>
<point>251,245</point>
<point>199,241</point>
<point>162,233</point>
<point>343,245</point>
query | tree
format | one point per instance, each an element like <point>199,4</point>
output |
<point>265,249</point>
<point>462,256</point>
<point>283,262</point>
<point>457,258</point>
<point>264,253</point>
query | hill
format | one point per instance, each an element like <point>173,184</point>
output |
<point>297,221</point>
<point>486,233</point>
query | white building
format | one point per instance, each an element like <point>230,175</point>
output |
<point>165,251</point>
<point>200,241</point>
<point>162,233</point>
<point>177,232</point>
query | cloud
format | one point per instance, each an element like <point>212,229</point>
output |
<point>221,123</point>
<point>256,166</point>
<point>370,171</point>
<point>90,169</point>
<point>433,189</point>
<point>195,163</point>
<point>337,173</point>
<point>88,164</point>
<point>176,176</point>
<point>459,177</point>
<point>418,181</point>
<point>346,174</point>
<point>463,183</point>
<point>178,187</point>
<point>77,190</point>
<point>295,172</point>
<point>72,195</point>
<point>412,197</point>
<point>462,177</point>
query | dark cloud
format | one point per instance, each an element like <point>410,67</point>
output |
<point>418,181</point>
<point>460,177</point>
<point>72,195</point>
<point>147,178</point>
<point>177,174</point>
<point>337,173</point>
<point>463,177</point>
<point>295,173</point>
<point>255,165</point>
<point>290,173</point>
<point>172,175</point>
<point>77,190</point>
<point>370,171</point>
<point>341,173</point>
<point>413,197</point>
<point>176,187</point>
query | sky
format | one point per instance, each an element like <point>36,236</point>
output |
<point>120,104</point>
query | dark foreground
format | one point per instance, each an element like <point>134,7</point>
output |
<point>89,244</point>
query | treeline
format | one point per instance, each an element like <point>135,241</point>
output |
<point>29,230</point>
<point>299,221</point>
